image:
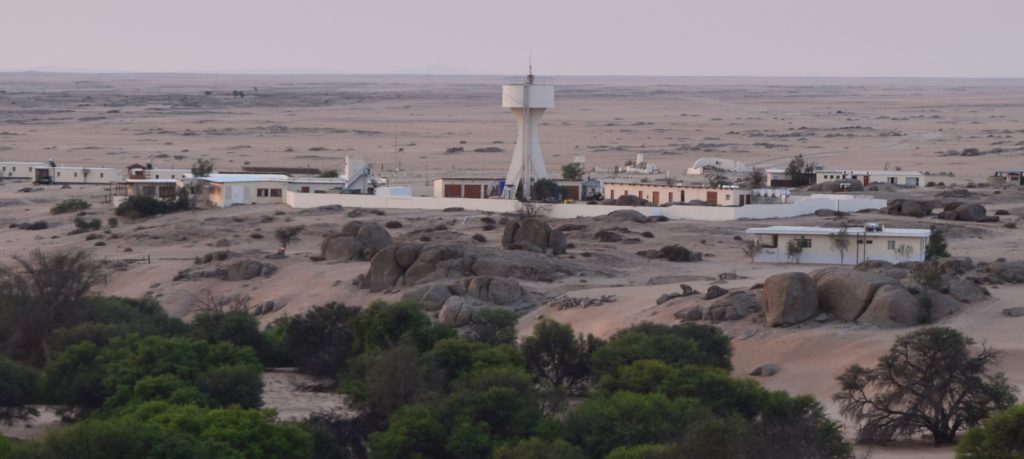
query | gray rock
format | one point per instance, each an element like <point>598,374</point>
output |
<point>940,305</point>
<point>667,296</point>
<point>627,215</point>
<point>714,291</point>
<point>356,241</point>
<point>1017,311</point>
<point>846,293</point>
<point>1007,271</point>
<point>687,290</point>
<point>822,317</point>
<point>497,290</point>
<point>435,296</point>
<point>457,311</point>
<point>690,314</point>
<point>733,306</point>
<point>789,298</point>
<point>766,370</point>
<point>533,234</point>
<point>892,306</point>
<point>966,291</point>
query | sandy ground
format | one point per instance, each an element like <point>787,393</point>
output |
<point>299,121</point>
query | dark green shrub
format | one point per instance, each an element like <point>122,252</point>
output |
<point>144,206</point>
<point>69,205</point>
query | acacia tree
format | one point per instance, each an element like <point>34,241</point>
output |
<point>202,168</point>
<point>288,234</point>
<point>756,178</point>
<point>572,171</point>
<point>40,293</point>
<point>931,381</point>
<point>936,247</point>
<point>841,242</point>
<point>557,357</point>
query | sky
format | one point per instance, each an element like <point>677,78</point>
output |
<point>849,38</point>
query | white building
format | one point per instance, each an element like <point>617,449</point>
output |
<point>226,190</point>
<point>819,245</point>
<point>20,170</point>
<point>1010,176</point>
<point>717,164</point>
<point>663,193</point>
<point>906,178</point>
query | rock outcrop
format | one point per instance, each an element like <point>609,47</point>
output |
<point>356,241</point>
<point>964,212</point>
<point>533,234</point>
<point>675,253</point>
<point>626,215</point>
<point>1007,271</point>
<point>846,293</point>
<point>236,271</point>
<point>734,305</point>
<point>892,306</point>
<point>789,298</point>
<point>407,264</point>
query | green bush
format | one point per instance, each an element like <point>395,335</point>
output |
<point>19,387</point>
<point>159,429</point>
<point>320,341</point>
<point>1000,436</point>
<point>144,206</point>
<point>69,205</point>
<point>87,224</point>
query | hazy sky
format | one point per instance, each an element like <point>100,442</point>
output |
<point>971,38</point>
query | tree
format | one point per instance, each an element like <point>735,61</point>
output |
<point>495,326</point>
<point>936,247</point>
<point>572,171</point>
<point>751,249</point>
<point>930,381</point>
<point>756,178</point>
<point>537,448</point>
<point>545,190</point>
<point>202,168</point>
<point>381,326</point>
<point>144,206</point>
<point>795,168</point>
<point>19,387</point>
<point>794,249</point>
<point>236,327</point>
<point>717,180</point>
<point>841,242</point>
<point>394,379</point>
<point>288,234</point>
<point>601,424</point>
<point>557,357</point>
<point>999,437</point>
<point>69,205</point>
<point>321,340</point>
<point>159,429</point>
<point>676,345</point>
<point>40,293</point>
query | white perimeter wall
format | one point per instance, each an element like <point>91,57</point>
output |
<point>807,205</point>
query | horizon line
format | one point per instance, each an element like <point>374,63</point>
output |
<point>496,75</point>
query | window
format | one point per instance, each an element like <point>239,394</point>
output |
<point>861,241</point>
<point>76,174</point>
<point>101,175</point>
<point>892,245</point>
<point>275,193</point>
<point>804,243</point>
<point>262,192</point>
<point>157,175</point>
<point>58,174</point>
<point>774,244</point>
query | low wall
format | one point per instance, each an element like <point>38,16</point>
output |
<point>844,203</point>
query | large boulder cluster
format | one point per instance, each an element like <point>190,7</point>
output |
<point>357,241</point>
<point>674,252</point>
<point>408,264</point>
<point>236,271</point>
<point>455,301</point>
<point>963,212</point>
<point>911,207</point>
<point>535,235</point>
<point>874,293</point>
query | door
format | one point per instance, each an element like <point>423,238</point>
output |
<point>654,197</point>
<point>712,198</point>
<point>453,191</point>
<point>305,189</point>
<point>867,180</point>
<point>472,191</point>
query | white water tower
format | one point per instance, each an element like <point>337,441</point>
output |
<point>527,100</point>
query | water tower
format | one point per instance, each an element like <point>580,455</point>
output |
<point>527,100</point>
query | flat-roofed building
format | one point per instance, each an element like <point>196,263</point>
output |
<point>663,193</point>
<point>1010,176</point>
<point>817,245</point>
<point>226,190</point>
<point>905,178</point>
